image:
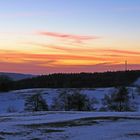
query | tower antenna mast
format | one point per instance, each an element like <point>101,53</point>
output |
<point>126,65</point>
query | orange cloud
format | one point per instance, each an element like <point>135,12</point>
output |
<point>40,57</point>
<point>122,52</point>
<point>93,54</point>
<point>101,60</point>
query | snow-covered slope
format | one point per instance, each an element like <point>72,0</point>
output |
<point>137,82</point>
<point>14,100</point>
<point>61,125</point>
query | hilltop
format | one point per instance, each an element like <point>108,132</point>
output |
<point>16,76</point>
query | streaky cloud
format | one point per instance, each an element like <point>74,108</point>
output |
<point>76,38</point>
<point>121,51</point>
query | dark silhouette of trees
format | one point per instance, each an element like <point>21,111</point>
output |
<point>119,101</point>
<point>73,100</point>
<point>35,103</point>
<point>6,83</point>
<point>79,80</point>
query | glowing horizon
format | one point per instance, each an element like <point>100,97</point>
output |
<point>41,37</point>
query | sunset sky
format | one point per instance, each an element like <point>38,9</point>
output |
<point>47,36</point>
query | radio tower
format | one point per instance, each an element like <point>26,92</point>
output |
<point>125,65</point>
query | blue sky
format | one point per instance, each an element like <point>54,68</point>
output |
<point>115,22</point>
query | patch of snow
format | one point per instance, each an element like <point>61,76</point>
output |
<point>137,82</point>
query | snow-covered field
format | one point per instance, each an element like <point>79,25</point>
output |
<point>20,125</point>
<point>70,126</point>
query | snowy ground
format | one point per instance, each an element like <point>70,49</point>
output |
<point>66,125</point>
<point>70,126</point>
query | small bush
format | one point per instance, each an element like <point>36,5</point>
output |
<point>72,101</point>
<point>36,103</point>
<point>11,109</point>
<point>119,100</point>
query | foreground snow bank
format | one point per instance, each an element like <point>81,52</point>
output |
<point>70,126</point>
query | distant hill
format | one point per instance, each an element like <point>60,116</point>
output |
<point>17,76</point>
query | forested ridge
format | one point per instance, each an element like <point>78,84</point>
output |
<point>79,80</point>
<point>73,80</point>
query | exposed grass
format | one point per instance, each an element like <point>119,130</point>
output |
<point>52,130</point>
<point>12,134</point>
<point>2,138</point>
<point>79,122</point>
<point>5,119</point>
<point>9,133</point>
<point>61,124</point>
<point>35,139</point>
<point>72,123</point>
<point>136,134</point>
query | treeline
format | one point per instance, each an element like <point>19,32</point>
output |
<point>80,80</point>
<point>6,83</point>
<point>75,80</point>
